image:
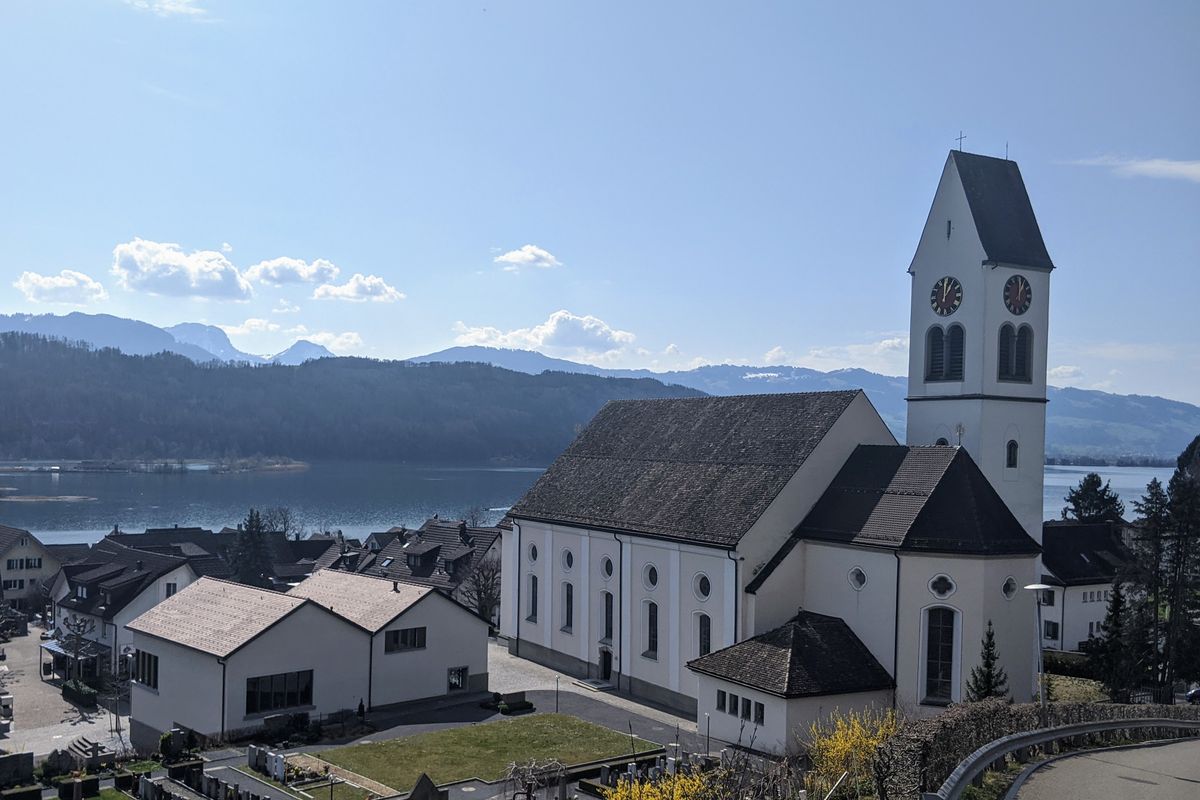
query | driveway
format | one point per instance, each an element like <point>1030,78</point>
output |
<point>1157,772</point>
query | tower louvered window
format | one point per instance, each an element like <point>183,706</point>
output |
<point>935,354</point>
<point>1023,357</point>
<point>955,346</point>
<point>1005,352</point>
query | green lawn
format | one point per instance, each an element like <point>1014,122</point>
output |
<point>341,791</point>
<point>110,793</point>
<point>482,751</point>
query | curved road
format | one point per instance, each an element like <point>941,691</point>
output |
<point>1163,772</point>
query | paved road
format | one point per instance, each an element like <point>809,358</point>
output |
<point>1165,772</point>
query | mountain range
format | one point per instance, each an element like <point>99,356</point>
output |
<point>1082,425</point>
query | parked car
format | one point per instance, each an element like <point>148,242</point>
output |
<point>1193,696</point>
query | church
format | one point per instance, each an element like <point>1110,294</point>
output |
<point>763,560</point>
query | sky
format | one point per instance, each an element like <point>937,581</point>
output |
<point>628,184</point>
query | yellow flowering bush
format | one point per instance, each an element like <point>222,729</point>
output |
<point>846,743</point>
<point>682,786</point>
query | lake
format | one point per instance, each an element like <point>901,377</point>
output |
<point>355,497</point>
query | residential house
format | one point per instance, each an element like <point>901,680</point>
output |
<point>26,568</point>
<point>1082,561</point>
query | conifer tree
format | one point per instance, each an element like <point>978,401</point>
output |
<point>1091,502</point>
<point>988,679</point>
<point>251,558</point>
<point>1114,657</point>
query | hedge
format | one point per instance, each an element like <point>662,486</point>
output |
<point>1075,665</point>
<point>924,752</point>
<point>75,691</point>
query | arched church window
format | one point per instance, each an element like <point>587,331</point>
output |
<point>939,655</point>
<point>1010,454</point>
<point>935,354</point>
<point>942,586</point>
<point>942,442</point>
<point>955,345</point>
<point>1005,347</point>
<point>1023,357</point>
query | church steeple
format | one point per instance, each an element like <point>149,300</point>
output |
<point>978,326</point>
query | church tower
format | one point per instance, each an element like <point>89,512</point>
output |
<point>978,327</point>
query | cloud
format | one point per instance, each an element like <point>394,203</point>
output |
<point>1146,167</point>
<point>278,271</point>
<point>165,269</point>
<point>776,355</point>
<point>284,307</point>
<point>252,325</point>
<point>563,334</point>
<point>1065,373</point>
<point>169,8</point>
<point>529,255</point>
<point>359,289</point>
<point>226,247</point>
<point>67,287</point>
<point>340,343</point>
<point>888,356</point>
<point>671,350</point>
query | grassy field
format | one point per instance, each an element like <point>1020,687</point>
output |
<point>482,751</point>
<point>109,793</point>
<point>341,791</point>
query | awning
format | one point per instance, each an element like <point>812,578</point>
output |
<point>89,649</point>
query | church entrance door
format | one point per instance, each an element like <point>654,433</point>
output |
<point>605,664</point>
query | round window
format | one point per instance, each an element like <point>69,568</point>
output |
<point>533,552</point>
<point>1010,587</point>
<point>568,560</point>
<point>702,586</point>
<point>606,567</point>
<point>857,578</point>
<point>650,576</point>
<point>942,586</point>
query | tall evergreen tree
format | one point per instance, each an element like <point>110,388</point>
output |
<point>1115,660</point>
<point>1183,568</point>
<point>251,555</point>
<point>988,679</point>
<point>1092,502</point>
<point>1145,575</point>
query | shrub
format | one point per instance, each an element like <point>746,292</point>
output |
<point>846,743</point>
<point>681,786</point>
<point>76,691</point>
<point>1075,665</point>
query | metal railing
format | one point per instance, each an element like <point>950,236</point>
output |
<point>978,762</point>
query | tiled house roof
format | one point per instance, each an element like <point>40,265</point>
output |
<point>441,553</point>
<point>1001,209</point>
<point>811,654</point>
<point>368,602</point>
<point>1079,553</point>
<point>695,469</point>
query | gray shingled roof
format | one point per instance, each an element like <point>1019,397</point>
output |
<point>932,499</point>
<point>1082,553</point>
<point>1001,209</point>
<point>809,655</point>
<point>698,469</point>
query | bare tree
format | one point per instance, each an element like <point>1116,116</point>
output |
<point>481,589</point>
<point>475,516</point>
<point>77,630</point>
<point>282,519</point>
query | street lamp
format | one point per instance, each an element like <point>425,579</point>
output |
<point>1038,589</point>
<point>707,733</point>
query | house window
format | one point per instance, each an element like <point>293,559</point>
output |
<point>145,669</point>
<point>568,608</point>
<point>16,583</point>
<point>1049,629</point>
<point>732,707</point>
<point>404,639</point>
<point>533,599</point>
<point>704,633</point>
<point>954,353</point>
<point>720,699</point>
<point>172,588</point>
<point>1047,597</point>
<point>33,563</point>
<point>608,616</point>
<point>651,631</point>
<point>1090,626</point>
<point>456,679</point>
<point>746,708</point>
<point>268,693</point>
<point>1010,454</point>
<point>939,655</point>
<point>760,714</point>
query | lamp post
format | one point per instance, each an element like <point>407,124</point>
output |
<point>707,733</point>
<point>1037,589</point>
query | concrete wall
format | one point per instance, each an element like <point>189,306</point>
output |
<point>188,693</point>
<point>453,638</point>
<point>870,611</point>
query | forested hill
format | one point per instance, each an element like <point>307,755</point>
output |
<point>71,402</point>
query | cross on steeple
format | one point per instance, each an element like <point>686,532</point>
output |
<point>960,140</point>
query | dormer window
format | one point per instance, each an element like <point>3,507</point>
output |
<point>81,592</point>
<point>387,562</point>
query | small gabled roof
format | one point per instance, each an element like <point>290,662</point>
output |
<point>1084,553</point>
<point>809,655</point>
<point>698,469</point>
<point>369,602</point>
<point>10,536</point>
<point>928,499</point>
<point>214,616</point>
<point>1004,218</point>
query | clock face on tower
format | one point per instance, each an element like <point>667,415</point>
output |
<point>1017,294</point>
<point>946,296</point>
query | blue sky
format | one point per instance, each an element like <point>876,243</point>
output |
<point>630,184</point>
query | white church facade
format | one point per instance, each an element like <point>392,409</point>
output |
<point>761,560</point>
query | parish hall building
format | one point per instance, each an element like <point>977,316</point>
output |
<point>761,560</point>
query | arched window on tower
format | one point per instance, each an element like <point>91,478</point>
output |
<point>935,354</point>
<point>1010,454</point>
<point>955,346</point>
<point>1005,348</point>
<point>1023,358</point>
